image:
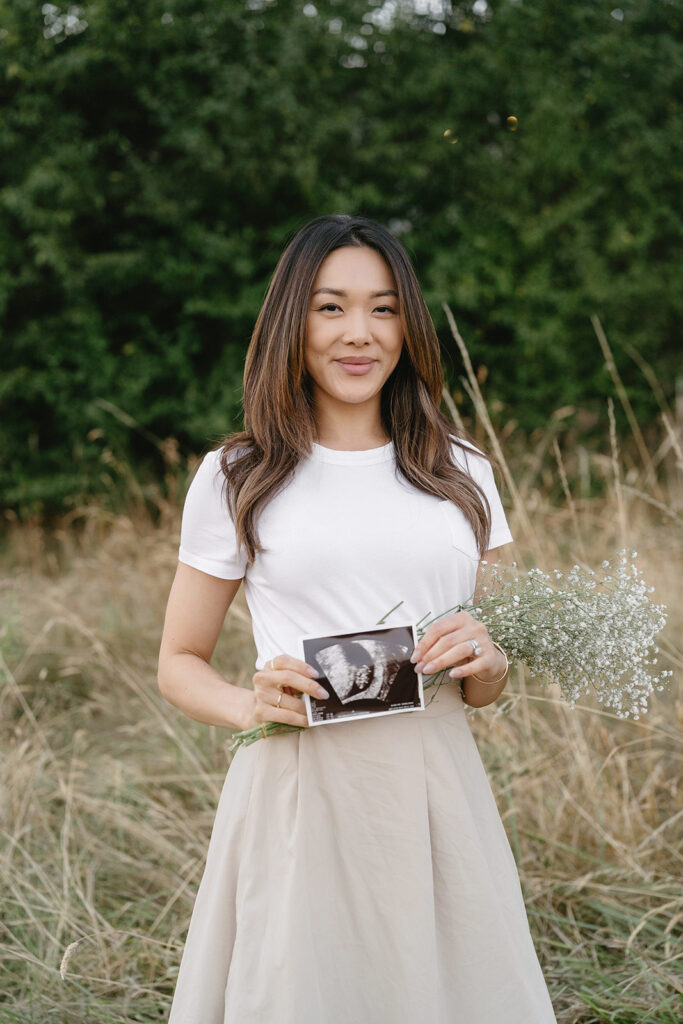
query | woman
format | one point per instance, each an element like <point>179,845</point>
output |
<point>357,872</point>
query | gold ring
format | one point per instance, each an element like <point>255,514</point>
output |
<point>279,699</point>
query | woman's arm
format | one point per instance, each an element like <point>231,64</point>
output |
<point>476,693</point>
<point>196,609</point>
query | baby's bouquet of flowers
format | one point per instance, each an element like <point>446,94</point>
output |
<point>583,629</point>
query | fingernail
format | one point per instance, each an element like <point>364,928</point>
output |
<point>312,671</point>
<point>420,666</point>
<point>322,693</point>
<point>414,656</point>
<point>454,672</point>
<point>429,667</point>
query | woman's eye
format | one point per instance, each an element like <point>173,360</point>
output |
<point>333,305</point>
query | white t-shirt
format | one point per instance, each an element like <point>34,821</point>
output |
<point>344,541</point>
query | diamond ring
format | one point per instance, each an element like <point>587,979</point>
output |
<point>476,649</point>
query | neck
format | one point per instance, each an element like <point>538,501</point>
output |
<point>350,429</point>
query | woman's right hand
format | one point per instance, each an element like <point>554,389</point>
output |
<point>291,677</point>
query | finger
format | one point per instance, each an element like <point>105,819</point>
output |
<point>302,683</point>
<point>457,654</point>
<point>438,650</point>
<point>465,627</point>
<point>285,716</point>
<point>484,665</point>
<point>285,699</point>
<point>437,630</point>
<point>437,656</point>
<point>266,681</point>
<point>291,709</point>
<point>287,661</point>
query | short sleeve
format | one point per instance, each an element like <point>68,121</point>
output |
<point>480,469</point>
<point>208,540</point>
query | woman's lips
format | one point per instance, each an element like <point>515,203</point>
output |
<point>355,369</point>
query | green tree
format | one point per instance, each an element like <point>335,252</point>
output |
<point>155,158</point>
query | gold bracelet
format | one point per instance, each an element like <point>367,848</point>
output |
<point>505,670</point>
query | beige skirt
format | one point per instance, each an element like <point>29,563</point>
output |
<point>360,873</point>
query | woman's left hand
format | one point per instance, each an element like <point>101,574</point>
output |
<point>448,642</point>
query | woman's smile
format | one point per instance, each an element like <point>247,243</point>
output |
<point>356,365</point>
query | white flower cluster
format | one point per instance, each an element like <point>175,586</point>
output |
<point>583,629</point>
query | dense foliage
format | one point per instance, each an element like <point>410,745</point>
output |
<point>156,157</point>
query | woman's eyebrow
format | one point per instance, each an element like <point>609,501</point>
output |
<point>373,295</point>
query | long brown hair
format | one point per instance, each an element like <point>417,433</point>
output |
<point>279,426</point>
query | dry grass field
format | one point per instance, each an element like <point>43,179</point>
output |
<point>108,793</point>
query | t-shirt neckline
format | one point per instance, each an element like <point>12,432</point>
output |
<point>364,457</point>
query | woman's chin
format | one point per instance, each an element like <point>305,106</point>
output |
<point>355,393</point>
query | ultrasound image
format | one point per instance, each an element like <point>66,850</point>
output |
<point>362,669</point>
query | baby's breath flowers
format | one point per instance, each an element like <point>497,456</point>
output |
<point>585,630</point>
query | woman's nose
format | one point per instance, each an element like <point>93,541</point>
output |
<point>358,330</point>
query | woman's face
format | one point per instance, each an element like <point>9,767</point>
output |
<point>354,328</point>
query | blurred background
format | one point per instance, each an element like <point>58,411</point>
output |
<point>155,159</point>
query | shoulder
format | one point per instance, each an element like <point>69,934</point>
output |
<point>208,471</point>
<point>470,458</point>
<point>208,540</point>
<point>211,466</point>
<point>475,462</point>
<point>211,460</point>
<point>207,487</point>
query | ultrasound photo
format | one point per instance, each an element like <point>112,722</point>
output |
<point>366,673</point>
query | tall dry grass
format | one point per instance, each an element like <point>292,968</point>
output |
<point>109,793</point>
